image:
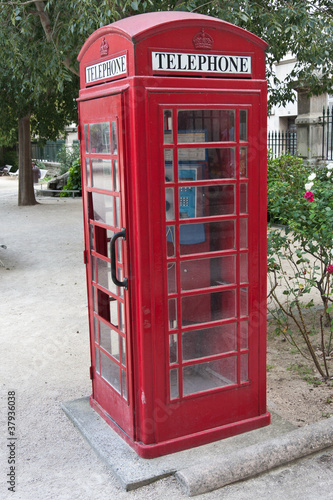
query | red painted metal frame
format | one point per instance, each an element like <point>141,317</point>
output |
<point>91,111</point>
<point>155,426</point>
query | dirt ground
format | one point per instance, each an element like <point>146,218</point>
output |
<point>298,400</point>
<point>45,349</point>
<point>295,388</point>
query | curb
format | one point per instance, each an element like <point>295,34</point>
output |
<point>257,458</point>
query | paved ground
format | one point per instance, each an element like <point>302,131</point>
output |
<point>45,360</point>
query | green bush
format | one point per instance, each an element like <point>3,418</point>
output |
<point>66,156</point>
<point>74,178</point>
<point>286,176</point>
<point>300,257</point>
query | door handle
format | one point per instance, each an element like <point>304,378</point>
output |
<point>121,234</point>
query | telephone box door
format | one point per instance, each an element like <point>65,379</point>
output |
<point>107,254</point>
<point>206,146</point>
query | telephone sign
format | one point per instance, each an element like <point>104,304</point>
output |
<point>201,63</point>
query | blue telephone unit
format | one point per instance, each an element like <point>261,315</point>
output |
<point>187,195</point>
<point>189,234</point>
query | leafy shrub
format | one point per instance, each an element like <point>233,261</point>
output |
<point>286,176</point>
<point>300,258</point>
<point>66,156</point>
<point>74,179</point>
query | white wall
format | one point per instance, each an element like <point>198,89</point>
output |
<point>281,115</point>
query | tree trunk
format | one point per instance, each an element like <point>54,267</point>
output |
<point>26,194</point>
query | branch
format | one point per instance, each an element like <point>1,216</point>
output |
<point>67,64</point>
<point>46,24</point>
<point>44,19</point>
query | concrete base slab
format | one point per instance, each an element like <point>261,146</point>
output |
<point>133,471</point>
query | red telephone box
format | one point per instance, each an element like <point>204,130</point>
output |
<point>172,113</point>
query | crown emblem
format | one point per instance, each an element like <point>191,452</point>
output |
<point>104,48</point>
<point>202,40</point>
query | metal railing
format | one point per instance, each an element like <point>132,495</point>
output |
<point>327,142</point>
<point>47,152</point>
<point>282,143</point>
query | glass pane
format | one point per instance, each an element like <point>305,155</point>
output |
<point>244,301</point>
<point>173,348</point>
<point>215,200</point>
<point>115,175</point>
<point>186,155</point>
<point>94,299</point>
<point>243,162</point>
<point>104,275</point>
<point>103,208</point>
<point>170,237</point>
<point>103,300</point>
<point>86,143</point>
<point>88,172</point>
<point>243,125</point>
<point>220,235</point>
<point>100,138</point>
<point>97,359</point>
<point>203,273</point>
<point>101,174</point>
<point>174,392</point>
<point>92,265</point>
<point>205,376</point>
<point>118,219</point>
<point>96,330</point>
<point>169,204</point>
<point>120,277</point>
<point>243,199</point>
<point>244,272</point>
<point>109,234</point>
<point>220,162</point>
<point>244,360</point>
<point>167,120</point>
<point>109,340</point>
<point>123,350</point>
<point>209,341</point>
<point>168,163</point>
<point>91,237</point>
<point>101,241</point>
<point>172,313</point>
<point>121,317</point>
<point>172,279</point>
<point>244,335</point>
<point>114,138</point>
<point>124,384</point>
<point>205,125</point>
<point>114,312</point>
<point>243,233</point>
<point>203,308</point>
<point>110,371</point>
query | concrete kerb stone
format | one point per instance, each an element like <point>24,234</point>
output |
<point>257,458</point>
<point>212,466</point>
